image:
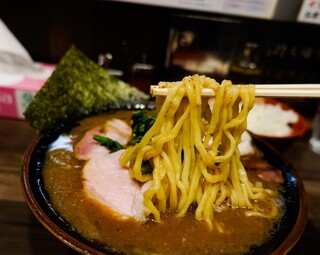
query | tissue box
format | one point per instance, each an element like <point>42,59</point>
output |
<point>17,90</point>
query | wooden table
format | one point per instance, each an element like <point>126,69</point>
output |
<point>22,234</point>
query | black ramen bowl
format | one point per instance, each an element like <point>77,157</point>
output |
<point>288,230</point>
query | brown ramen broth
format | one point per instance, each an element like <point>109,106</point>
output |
<point>233,232</point>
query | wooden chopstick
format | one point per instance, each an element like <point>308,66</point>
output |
<point>288,90</point>
<point>262,90</point>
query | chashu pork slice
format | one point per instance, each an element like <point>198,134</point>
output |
<point>106,181</point>
<point>115,129</point>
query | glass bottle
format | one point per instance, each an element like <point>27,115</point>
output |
<point>246,66</point>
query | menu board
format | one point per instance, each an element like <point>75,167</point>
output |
<point>310,11</point>
<point>249,8</point>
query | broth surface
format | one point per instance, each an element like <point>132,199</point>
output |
<point>62,176</point>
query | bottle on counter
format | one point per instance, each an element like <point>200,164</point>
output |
<point>314,140</point>
<point>246,67</point>
<point>142,74</point>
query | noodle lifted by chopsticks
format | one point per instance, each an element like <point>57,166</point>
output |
<point>196,161</point>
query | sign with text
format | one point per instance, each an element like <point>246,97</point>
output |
<point>310,12</point>
<point>249,8</point>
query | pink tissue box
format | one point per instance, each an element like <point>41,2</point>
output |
<point>17,92</point>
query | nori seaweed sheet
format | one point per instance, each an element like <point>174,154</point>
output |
<point>78,87</point>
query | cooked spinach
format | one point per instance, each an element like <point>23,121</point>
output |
<point>108,142</point>
<point>142,122</point>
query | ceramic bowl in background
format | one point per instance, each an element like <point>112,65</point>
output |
<point>276,122</point>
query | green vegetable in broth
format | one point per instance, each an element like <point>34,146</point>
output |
<point>141,123</point>
<point>77,87</point>
<point>108,142</point>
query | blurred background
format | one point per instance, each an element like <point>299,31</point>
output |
<point>143,41</point>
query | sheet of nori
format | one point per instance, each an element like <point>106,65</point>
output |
<point>78,86</point>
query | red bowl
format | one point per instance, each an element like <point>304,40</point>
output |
<point>297,129</point>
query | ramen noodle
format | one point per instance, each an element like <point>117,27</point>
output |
<point>194,155</point>
<point>205,192</point>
